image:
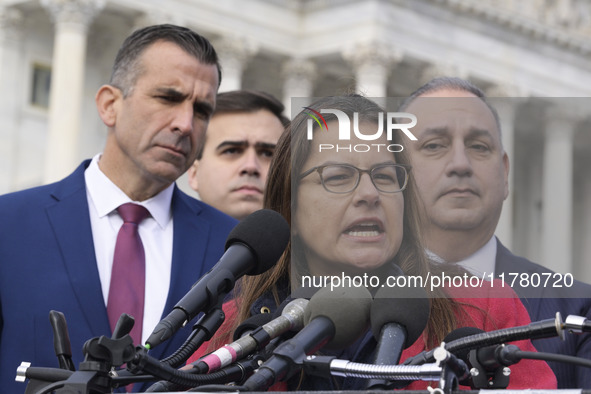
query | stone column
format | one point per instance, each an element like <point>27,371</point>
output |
<point>72,19</point>
<point>585,269</point>
<point>10,62</point>
<point>505,100</point>
<point>234,53</point>
<point>557,209</point>
<point>372,63</point>
<point>298,78</point>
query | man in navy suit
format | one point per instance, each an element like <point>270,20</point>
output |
<point>57,241</point>
<point>461,171</point>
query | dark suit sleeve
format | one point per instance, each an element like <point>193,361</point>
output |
<point>543,303</point>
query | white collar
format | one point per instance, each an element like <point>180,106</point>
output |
<point>479,263</point>
<point>483,260</point>
<point>107,197</point>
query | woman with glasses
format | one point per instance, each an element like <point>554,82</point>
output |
<point>355,213</point>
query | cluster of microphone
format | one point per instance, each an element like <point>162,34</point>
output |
<point>269,349</point>
<point>330,320</point>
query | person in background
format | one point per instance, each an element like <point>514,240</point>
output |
<point>230,172</point>
<point>356,213</point>
<point>117,235</point>
<point>461,171</point>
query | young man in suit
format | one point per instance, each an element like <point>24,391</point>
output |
<point>60,241</point>
<point>461,171</point>
<point>231,172</point>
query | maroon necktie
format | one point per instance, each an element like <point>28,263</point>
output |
<point>128,275</point>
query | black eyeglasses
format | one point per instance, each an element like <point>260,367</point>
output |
<point>344,178</point>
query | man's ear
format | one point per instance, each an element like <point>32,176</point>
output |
<point>192,175</point>
<point>506,166</point>
<point>107,101</point>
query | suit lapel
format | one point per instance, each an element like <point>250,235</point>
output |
<point>506,263</point>
<point>70,221</point>
<point>190,240</point>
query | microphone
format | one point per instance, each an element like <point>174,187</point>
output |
<point>460,333</point>
<point>292,318</point>
<point>334,319</point>
<point>487,364</point>
<point>398,317</point>
<point>251,324</point>
<point>252,335</point>
<point>541,329</point>
<point>464,354</point>
<point>252,247</point>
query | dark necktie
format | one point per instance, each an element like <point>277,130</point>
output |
<point>128,275</point>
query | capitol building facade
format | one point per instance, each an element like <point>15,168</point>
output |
<point>532,57</point>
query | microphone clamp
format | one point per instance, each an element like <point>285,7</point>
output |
<point>576,324</point>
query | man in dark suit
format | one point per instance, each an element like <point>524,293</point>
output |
<point>543,302</point>
<point>58,241</point>
<point>461,171</point>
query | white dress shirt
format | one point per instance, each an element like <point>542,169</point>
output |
<point>482,262</point>
<point>155,231</point>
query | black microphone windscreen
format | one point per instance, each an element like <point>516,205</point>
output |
<point>266,233</point>
<point>407,306</point>
<point>347,308</point>
<point>459,333</point>
<point>251,324</point>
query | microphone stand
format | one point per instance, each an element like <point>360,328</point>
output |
<point>96,374</point>
<point>494,377</point>
<point>202,331</point>
<point>448,370</point>
<point>93,377</point>
<point>542,329</point>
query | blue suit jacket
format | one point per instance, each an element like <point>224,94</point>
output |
<point>543,303</point>
<point>47,261</point>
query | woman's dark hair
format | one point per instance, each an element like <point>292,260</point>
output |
<point>292,151</point>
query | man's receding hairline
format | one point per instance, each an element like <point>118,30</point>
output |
<point>139,64</point>
<point>450,88</point>
<point>454,88</point>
